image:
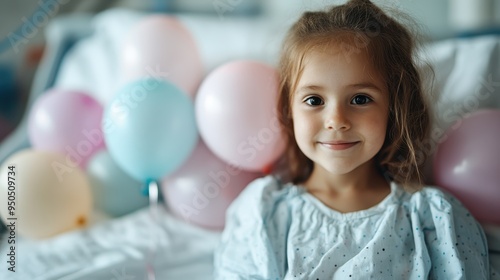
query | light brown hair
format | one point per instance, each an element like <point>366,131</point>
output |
<point>357,26</point>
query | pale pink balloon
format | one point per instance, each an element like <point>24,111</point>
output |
<point>68,122</point>
<point>236,114</point>
<point>203,188</point>
<point>467,164</point>
<point>160,46</point>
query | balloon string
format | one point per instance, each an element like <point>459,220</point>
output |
<point>151,272</point>
<point>153,207</point>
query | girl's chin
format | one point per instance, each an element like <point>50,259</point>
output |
<point>344,168</point>
<point>337,169</point>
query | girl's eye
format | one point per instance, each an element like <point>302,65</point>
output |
<point>314,101</point>
<point>361,100</point>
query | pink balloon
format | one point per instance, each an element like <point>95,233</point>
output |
<point>159,46</point>
<point>68,122</point>
<point>203,188</point>
<point>467,164</point>
<point>236,114</point>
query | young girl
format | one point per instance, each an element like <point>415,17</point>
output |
<point>352,105</point>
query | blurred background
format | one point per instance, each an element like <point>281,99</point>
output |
<point>80,47</point>
<point>19,55</point>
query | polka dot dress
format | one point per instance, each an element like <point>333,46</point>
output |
<point>276,231</point>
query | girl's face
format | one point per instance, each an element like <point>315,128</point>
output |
<point>340,110</point>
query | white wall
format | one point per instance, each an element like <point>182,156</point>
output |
<point>435,16</point>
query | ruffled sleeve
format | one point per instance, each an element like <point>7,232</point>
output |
<point>253,244</point>
<point>456,242</point>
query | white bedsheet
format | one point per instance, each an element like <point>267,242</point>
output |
<point>117,249</point>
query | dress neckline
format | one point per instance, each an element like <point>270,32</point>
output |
<point>379,208</point>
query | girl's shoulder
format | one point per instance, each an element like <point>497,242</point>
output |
<point>432,196</point>
<point>254,239</point>
<point>265,192</point>
<point>448,229</point>
<point>435,204</point>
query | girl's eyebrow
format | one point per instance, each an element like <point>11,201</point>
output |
<point>365,85</point>
<point>309,88</point>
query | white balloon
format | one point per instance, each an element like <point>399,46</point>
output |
<point>49,196</point>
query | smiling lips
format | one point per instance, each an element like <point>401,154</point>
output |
<point>338,145</point>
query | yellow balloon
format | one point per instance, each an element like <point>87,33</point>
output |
<point>41,195</point>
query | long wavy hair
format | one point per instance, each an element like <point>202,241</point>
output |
<point>357,26</point>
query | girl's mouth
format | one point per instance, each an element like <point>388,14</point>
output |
<point>338,145</point>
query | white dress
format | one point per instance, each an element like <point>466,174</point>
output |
<point>280,231</point>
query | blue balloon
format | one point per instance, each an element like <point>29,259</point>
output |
<point>113,190</point>
<point>150,128</point>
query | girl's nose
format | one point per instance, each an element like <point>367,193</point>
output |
<point>337,120</point>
